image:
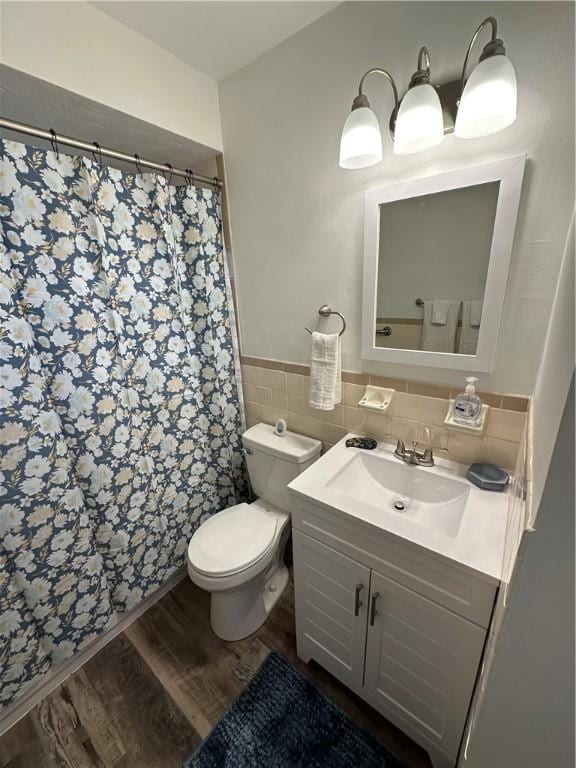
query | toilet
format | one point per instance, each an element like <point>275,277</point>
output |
<point>238,554</point>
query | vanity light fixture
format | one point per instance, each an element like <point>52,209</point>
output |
<point>482,105</point>
<point>489,96</point>
<point>361,142</point>
<point>419,124</point>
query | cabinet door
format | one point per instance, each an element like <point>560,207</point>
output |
<point>331,595</point>
<point>421,663</point>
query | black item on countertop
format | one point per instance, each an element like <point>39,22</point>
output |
<point>366,443</point>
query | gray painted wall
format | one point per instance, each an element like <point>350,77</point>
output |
<point>527,717</point>
<point>554,375</point>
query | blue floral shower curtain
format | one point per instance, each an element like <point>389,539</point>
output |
<point>120,410</point>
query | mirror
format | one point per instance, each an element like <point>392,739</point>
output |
<point>436,263</point>
<point>433,260</point>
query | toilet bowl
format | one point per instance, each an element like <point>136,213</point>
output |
<point>238,554</point>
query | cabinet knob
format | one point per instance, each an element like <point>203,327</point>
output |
<point>357,602</point>
<point>373,610</point>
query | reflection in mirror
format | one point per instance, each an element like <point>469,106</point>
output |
<point>433,257</point>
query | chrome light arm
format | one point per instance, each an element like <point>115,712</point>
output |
<point>495,46</point>
<point>362,100</point>
<point>379,71</point>
<point>424,52</point>
<point>422,74</point>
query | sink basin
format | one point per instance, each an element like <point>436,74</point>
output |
<point>434,508</point>
<point>386,484</point>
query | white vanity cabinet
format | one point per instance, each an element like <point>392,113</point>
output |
<point>333,591</point>
<point>421,662</point>
<point>402,628</point>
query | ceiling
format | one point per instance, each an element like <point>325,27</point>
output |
<point>218,37</point>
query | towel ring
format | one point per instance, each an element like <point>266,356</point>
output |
<point>325,311</point>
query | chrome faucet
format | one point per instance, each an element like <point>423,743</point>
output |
<point>412,455</point>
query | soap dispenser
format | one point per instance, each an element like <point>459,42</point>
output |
<point>467,405</point>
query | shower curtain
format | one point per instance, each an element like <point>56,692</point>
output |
<point>120,411</point>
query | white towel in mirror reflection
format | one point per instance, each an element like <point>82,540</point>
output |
<point>475,312</point>
<point>471,317</point>
<point>436,337</point>
<point>440,309</point>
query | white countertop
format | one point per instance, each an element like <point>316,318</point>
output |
<point>479,542</point>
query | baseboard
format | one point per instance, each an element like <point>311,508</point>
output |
<point>57,674</point>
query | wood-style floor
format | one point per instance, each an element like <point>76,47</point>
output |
<point>151,695</point>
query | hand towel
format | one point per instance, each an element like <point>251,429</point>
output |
<point>475,312</point>
<point>325,371</point>
<point>469,332</point>
<point>439,338</point>
<point>440,309</point>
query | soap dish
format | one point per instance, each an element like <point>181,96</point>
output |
<point>489,477</point>
<point>376,399</point>
<point>474,429</point>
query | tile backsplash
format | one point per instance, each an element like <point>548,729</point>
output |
<point>275,389</point>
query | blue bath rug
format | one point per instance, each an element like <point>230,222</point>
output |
<point>282,720</point>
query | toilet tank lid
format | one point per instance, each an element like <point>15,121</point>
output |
<point>290,447</point>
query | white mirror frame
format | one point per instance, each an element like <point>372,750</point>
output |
<point>509,173</point>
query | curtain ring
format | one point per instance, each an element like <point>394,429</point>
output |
<point>137,159</point>
<point>99,150</point>
<point>189,176</point>
<point>169,179</point>
<point>54,143</point>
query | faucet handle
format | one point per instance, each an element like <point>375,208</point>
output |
<point>428,455</point>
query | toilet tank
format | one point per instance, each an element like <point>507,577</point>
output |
<point>275,461</point>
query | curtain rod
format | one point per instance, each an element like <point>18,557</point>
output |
<point>54,138</point>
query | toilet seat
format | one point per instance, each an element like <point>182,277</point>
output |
<point>232,540</point>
